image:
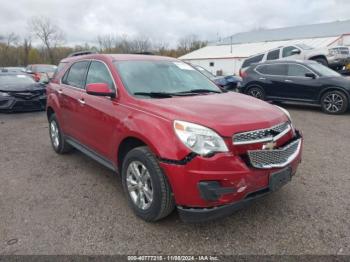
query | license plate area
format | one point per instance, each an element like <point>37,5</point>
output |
<point>280,178</point>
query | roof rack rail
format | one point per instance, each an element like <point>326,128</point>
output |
<point>82,53</point>
<point>143,53</point>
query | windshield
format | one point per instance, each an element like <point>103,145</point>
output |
<point>15,79</point>
<point>323,70</point>
<point>305,47</point>
<point>45,69</point>
<point>162,77</point>
<point>204,72</point>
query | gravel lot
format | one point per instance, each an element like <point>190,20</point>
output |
<point>53,204</point>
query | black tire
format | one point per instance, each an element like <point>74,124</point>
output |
<point>256,91</point>
<point>334,102</point>
<point>163,202</point>
<point>62,147</point>
<point>321,60</point>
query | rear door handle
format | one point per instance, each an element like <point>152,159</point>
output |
<point>60,91</point>
<point>288,81</point>
<point>81,101</point>
<point>262,78</point>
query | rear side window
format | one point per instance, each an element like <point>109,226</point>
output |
<point>273,55</point>
<point>254,59</point>
<point>98,73</point>
<point>76,74</point>
<point>297,70</point>
<point>275,69</point>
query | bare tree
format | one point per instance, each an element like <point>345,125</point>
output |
<point>27,46</point>
<point>107,43</point>
<point>190,43</point>
<point>50,34</point>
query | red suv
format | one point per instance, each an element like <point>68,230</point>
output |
<point>172,134</point>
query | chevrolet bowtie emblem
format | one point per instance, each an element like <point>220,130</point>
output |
<point>269,146</point>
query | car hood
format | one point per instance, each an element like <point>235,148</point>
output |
<point>21,87</point>
<point>226,113</point>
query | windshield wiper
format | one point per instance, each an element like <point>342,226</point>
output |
<point>154,94</point>
<point>199,91</point>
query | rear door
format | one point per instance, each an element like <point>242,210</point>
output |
<point>71,95</point>
<point>271,77</point>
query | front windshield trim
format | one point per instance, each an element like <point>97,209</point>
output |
<point>173,77</point>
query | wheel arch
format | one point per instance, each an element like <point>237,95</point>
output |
<point>333,88</point>
<point>318,56</point>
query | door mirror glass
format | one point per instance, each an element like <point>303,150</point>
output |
<point>295,51</point>
<point>99,89</point>
<point>311,75</point>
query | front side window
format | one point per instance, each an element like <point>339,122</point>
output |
<point>273,55</point>
<point>76,75</point>
<point>162,77</point>
<point>98,73</point>
<point>297,70</point>
<point>287,51</point>
<point>274,69</point>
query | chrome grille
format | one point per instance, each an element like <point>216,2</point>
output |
<point>274,158</point>
<point>262,135</point>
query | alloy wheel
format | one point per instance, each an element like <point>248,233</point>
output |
<point>139,185</point>
<point>256,92</point>
<point>54,133</point>
<point>333,103</point>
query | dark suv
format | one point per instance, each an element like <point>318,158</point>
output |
<point>298,81</point>
<point>174,137</point>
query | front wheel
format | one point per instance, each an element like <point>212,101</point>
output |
<point>256,92</point>
<point>334,102</point>
<point>147,188</point>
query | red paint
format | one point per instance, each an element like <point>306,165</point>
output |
<point>102,123</point>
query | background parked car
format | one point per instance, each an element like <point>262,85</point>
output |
<point>225,82</point>
<point>17,69</point>
<point>335,57</point>
<point>19,92</point>
<point>41,70</point>
<point>301,81</point>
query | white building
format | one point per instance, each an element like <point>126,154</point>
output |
<point>228,54</point>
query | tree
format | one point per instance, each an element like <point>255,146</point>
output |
<point>190,43</point>
<point>50,35</point>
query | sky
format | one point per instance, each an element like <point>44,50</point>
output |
<point>166,20</point>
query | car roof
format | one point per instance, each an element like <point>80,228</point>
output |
<point>282,61</point>
<point>119,57</point>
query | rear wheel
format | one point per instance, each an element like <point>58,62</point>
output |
<point>256,92</point>
<point>58,141</point>
<point>334,102</point>
<point>148,191</point>
<point>321,60</point>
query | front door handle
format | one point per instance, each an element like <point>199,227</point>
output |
<point>60,91</point>
<point>288,81</point>
<point>81,101</point>
<point>262,78</point>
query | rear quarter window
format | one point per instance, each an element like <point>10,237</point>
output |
<point>251,60</point>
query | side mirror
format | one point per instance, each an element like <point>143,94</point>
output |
<point>295,51</point>
<point>99,89</point>
<point>311,75</point>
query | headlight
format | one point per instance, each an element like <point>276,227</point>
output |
<point>199,139</point>
<point>285,111</point>
<point>332,52</point>
<point>4,94</point>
